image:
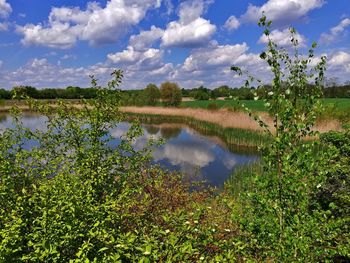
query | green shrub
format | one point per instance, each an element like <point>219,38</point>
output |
<point>212,106</point>
<point>75,198</point>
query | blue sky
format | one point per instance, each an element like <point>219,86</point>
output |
<point>194,42</point>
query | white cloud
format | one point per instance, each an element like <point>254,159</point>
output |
<point>95,24</point>
<point>58,35</point>
<point>232,23</point>
<point>40,73</point>
<point>283,38</point>
<point>214,56</point>
<point>5,9</point>
<point>69,56</point>
<point>210,66</point>
<point>132,56</point>
<point>335,32</point>
<point>4,26</point>
<point>146,38</point>
<point>340,58</point>
<point>169,6</point>
<point>190,30</point>
<point>281,11</point>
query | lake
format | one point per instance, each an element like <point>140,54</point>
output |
<point>198,156</point>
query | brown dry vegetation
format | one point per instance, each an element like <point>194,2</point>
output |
<point>223,117</point>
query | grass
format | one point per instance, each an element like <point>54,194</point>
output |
<point>240,180</point>
<point>339,103</point>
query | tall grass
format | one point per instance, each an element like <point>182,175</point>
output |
<point>241,179</point>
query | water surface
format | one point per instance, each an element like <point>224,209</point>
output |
<point>186,150</point>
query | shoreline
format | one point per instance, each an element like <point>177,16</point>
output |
<point>222,117</point>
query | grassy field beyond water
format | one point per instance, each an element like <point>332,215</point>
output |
<point>338,103</point>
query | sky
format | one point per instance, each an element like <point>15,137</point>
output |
<point>54,44</point>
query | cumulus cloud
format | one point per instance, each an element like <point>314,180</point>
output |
<point>210,66</point>
<point>191,29</point>
<point>283,38</point>
<point>5,9</point>
<point>95,24</point>
<point>232,23</point>
<point>214,56</point>
<point>146,38</point>
<point>141,66</point>
<point>335,32</point>
<point>340,58</point>
<point>130,56</point>
<point>39,72</point>
<point>282,11</point>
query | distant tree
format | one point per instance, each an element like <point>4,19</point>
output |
<point>170,94</point>
<point>73,92</point>
<point>222,91</point>
<point>185,92</point>
<point>5,94</point>
<point>151,94</point>
<point>29,91</point>
<point>48,94</point>
<point>201,95</point>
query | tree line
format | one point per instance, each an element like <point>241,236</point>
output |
<point>169,93</point>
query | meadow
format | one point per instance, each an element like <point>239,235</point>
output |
<point>339,104</point>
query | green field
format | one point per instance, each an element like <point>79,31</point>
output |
<point>339,104</point>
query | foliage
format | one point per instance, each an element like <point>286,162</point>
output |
<point>170,94</point>
<point>76,196</point>
<point>284,222</point>
<point>151,94</point>
<point>335,192</point>
<point>201,95</point>
<point>212,106</point>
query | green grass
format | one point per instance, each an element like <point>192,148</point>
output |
<point>340,104</point>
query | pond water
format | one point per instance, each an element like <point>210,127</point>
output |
<point>186,150</point>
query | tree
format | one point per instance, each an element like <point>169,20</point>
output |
<point>22,91</point>
<point>151,94</point>
<point>170,94</point>
<point>283,217</point>
<point>5,94</point>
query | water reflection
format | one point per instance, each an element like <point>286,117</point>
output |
<point>198,156</point>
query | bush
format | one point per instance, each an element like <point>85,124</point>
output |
<point>201,95</point>
<point>170,94</point>
<point>76,198</point>
<point>212,106</point>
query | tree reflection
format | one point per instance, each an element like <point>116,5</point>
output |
<point>151,129</point>
<point>170,132</point>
